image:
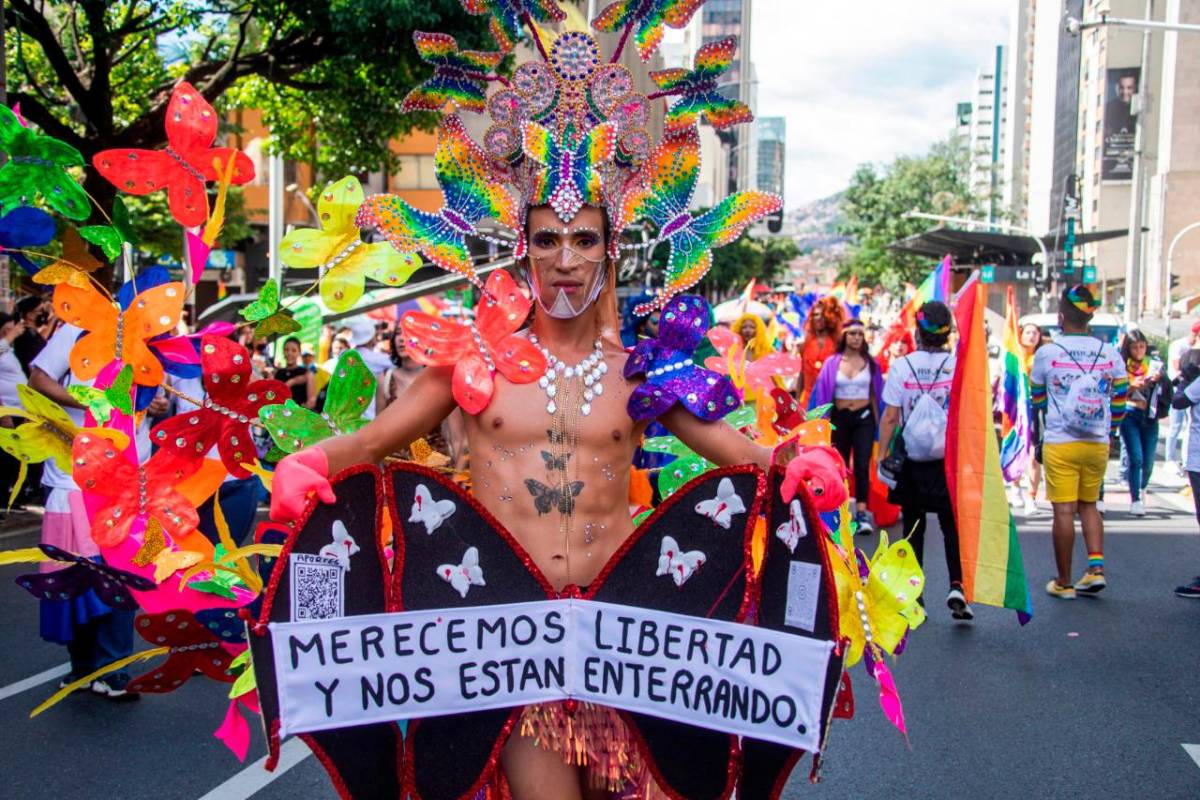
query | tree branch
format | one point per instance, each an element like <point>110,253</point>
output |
<point>37,113</point>
<point>25,17</point>
<point>98,107</point>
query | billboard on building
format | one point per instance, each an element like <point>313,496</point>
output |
<point>1116,157</point>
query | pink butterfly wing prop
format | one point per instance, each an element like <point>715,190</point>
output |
<point>500,315</point>
<point>759,373</point>
<point>433,341</point>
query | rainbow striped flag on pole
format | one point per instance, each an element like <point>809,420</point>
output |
<point>993,572</point>
<point>1014,397</point>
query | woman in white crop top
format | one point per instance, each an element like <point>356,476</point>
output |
<point>853,383</point>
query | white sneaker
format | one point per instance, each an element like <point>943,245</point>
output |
<point>1137,508</point>
<point>1100,507</point>
<point>957,603</point>
<point>1031,508</point>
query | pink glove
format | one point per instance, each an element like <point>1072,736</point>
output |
<point>296,477</point>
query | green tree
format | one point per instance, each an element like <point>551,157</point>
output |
<point>328,74</point>
<point>873,208</point>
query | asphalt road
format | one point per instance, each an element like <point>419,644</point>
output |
<point>1094,698</point>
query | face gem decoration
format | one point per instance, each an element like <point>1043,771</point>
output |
<point>463,576</point>
<point>429,513</point>
<point>721,508</point>
<point>795,529</point>
<point>341,548</point>
<point>678,565</point>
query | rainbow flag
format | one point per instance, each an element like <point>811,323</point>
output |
<point>1014,398</point>
<point>936,286</point>
<point>993,572</point>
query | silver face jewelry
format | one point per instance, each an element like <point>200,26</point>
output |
<point>590,370</point>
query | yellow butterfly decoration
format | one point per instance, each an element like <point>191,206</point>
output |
<point>48,434</point>
<point>74,267</point>
<point>168,562</point>
<point>338,249</point>
<point>422,453</point>
<point>877,613</point>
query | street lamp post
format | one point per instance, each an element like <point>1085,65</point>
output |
<point>917,214</point>
<point>1171,271</point>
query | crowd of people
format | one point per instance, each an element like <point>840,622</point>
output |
<point>879,370</point>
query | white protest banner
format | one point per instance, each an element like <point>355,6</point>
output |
<point>733,678</point>
<point>739,679</point>
<point>334,673</point>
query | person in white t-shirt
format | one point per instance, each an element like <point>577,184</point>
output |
<point>95,635</point>
<point>1079,385</point>
<point>11,376</point>
<point>921,487</point>
<point>1177,423</point>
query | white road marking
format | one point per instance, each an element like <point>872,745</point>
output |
<point>1193,750</point>
<point>34,680</point>
<point>254,778</point>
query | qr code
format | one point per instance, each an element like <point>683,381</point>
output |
<point>316,585</point>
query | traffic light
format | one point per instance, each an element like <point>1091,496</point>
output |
<point>775,222</point>
<point>1174,282</point>
<point>1069,247</point>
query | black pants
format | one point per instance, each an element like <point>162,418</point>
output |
<point>922,490</point>
<point>854,436</point>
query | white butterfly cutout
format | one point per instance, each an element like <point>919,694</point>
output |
<point>431,513</point>
<point>795,529</point>
<point>679,566</point>
<point>722,507</point>
<point>465,575</point>
<point>342,547</point>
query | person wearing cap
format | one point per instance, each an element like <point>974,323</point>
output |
<point>1177,422</point>
<point>920,488</point>
<point>1078,422</point>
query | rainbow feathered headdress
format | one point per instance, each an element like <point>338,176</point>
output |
<point>571,129</point>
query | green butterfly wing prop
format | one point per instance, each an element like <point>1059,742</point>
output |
<point>101,402</point>
<point>271,318</point>
<point>110,238</point>
<point>37,166</point>
<point>349,394</point>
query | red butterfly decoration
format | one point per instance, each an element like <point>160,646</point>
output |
<point>480,349</point>
<point>188,162</point>
<point>133,491</point>
<point>224,420</point>
<point>190,648</point>
<point>787,412</point>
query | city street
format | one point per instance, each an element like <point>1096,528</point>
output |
<point>1095,697</point>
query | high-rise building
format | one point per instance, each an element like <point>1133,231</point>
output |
<point>1018,93</point>
<point>985,139</point>
<point>771,136</point>
<point>723,18</point>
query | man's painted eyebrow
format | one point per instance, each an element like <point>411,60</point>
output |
<point>567,231</point>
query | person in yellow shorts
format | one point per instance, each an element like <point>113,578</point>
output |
<point>1079,384</point>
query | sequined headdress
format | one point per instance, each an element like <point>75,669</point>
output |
<point>571,129</point>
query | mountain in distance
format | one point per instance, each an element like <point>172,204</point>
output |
<point>814,225</point>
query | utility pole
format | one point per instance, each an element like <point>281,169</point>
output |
<point>1133,263</point>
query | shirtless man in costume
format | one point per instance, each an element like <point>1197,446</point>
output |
<point>513,440</point>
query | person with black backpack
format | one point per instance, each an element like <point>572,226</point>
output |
<point>1079,385</point>
<point>916,397</point>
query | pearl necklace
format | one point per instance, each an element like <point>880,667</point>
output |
<point>591,370</point>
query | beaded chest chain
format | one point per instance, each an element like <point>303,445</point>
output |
<point>589,372</point>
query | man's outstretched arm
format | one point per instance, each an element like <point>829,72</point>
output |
<point>419,409</point>
<point>719,442</point>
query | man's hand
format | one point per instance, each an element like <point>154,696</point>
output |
<point>296,477</point>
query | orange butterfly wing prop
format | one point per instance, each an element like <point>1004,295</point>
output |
<point>153,312</point>
<point>478,351</point>
<point>187,164</point>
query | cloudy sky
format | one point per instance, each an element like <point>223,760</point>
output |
<point>866,80</point>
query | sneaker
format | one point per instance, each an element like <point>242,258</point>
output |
<point>1031,508</point>
<point>1192,590</point>
<point>863,520</point>
<point>113,690</point>
<point>1137,508</point>
<point>957,603</point>
<point>1100,507</point>
<point>69,679</point>
<point>1091,583</point>
<point>1061,592</point>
